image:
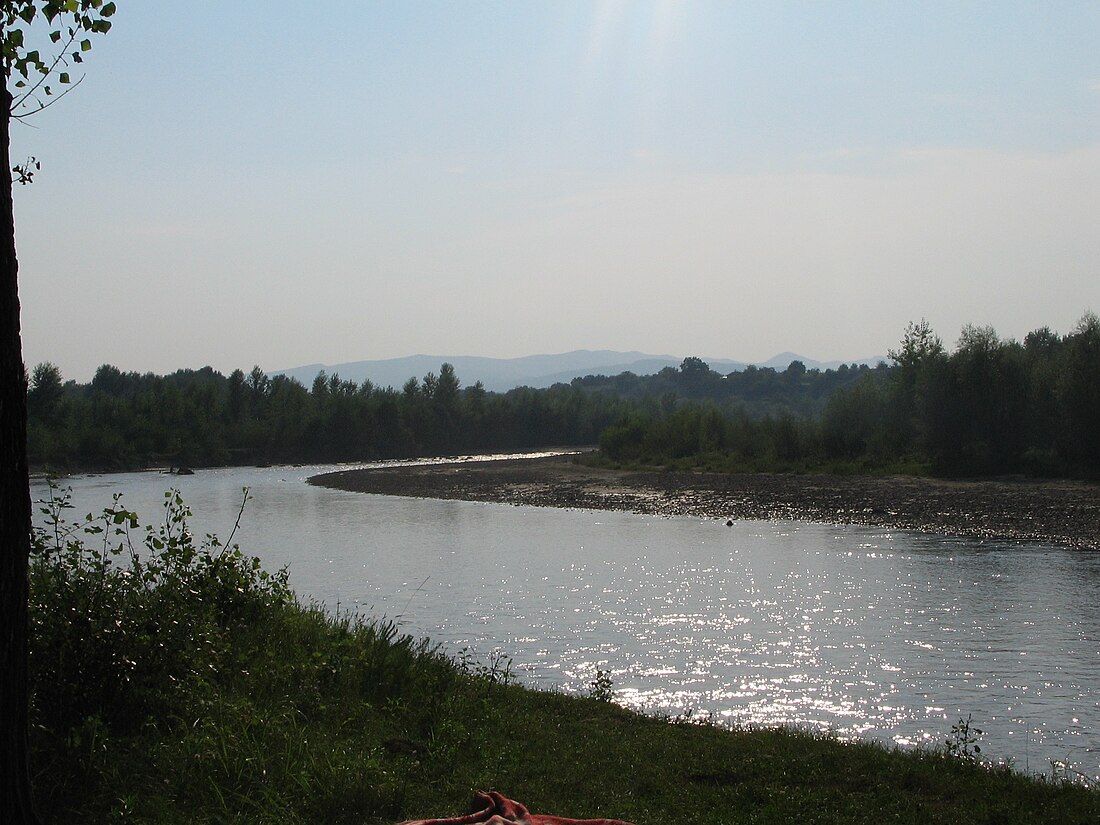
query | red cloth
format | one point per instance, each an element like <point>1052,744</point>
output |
<point>490,808</point>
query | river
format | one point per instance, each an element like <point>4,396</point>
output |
<point>863,632</point>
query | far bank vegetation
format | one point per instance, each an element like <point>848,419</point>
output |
<point>992,406</point>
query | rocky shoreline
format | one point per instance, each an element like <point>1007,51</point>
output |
<point>1053,512</point>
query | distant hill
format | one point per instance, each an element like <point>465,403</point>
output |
<point>538,371</point>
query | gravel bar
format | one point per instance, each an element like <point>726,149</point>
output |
<point>1022,510</point>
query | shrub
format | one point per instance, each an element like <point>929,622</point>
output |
<point>121,627</point>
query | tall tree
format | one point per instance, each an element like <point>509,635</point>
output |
<point>32,77</point>
<point>1080,392</point>
<point>921,355</point>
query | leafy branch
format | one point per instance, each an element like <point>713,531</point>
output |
<point>74,19</point>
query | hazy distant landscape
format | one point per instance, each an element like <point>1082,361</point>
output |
<point>755,478</point>
<point>590,556</point>
<point>537,371</point>
<point>990,406</point>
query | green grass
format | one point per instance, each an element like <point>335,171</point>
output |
<point>217,697</point>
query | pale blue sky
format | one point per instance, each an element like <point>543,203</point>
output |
<point>243,182</point>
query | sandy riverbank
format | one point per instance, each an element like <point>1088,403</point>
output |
<point>1058,512</point>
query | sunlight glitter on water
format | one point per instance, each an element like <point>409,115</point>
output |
<point>858,631</point>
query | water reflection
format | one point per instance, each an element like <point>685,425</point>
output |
<point>864,632</point>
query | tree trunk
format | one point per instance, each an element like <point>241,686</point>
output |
<point>15,513</point>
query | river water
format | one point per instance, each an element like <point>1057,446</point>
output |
<point>890,635</point>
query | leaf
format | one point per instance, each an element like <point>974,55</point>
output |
<point>85,45</point>
<point>55,36</point>
<point>108,10</point>
<point>64,77</point>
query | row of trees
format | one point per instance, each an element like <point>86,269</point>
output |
<point>992,406</point>
<point>201,417</point>
<point>758,391</point>
<point>711,437</point>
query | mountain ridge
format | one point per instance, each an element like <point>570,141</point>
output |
<point>536,371</point>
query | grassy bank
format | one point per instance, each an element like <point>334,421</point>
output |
<point>175,681</point>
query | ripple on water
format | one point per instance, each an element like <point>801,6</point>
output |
<point>861,631</point>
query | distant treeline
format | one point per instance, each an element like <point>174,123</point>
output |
<point>755,391</point>
<point>203,418</point>
<point>992,406</point>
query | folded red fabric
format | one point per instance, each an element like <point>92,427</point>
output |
<point>490,808</point>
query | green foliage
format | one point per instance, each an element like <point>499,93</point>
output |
<point>758,392</point>
<point>990,407</point>
<point>600,688</point>
<point>919,345</point>
<point>144,618</point>
<point>175,682</point>
<point>962,742</point>
<point>709,437</point>
<point>202,418</point>
<point>69,22</point>
<point>851,427</point>
<point>497,671</point>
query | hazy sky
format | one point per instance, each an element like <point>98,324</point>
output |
<point>276,183</point>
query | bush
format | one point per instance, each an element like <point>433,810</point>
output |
<point>177,681</point>
<point>122,629</point>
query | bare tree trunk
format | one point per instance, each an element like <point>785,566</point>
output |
<point>15,513</point>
